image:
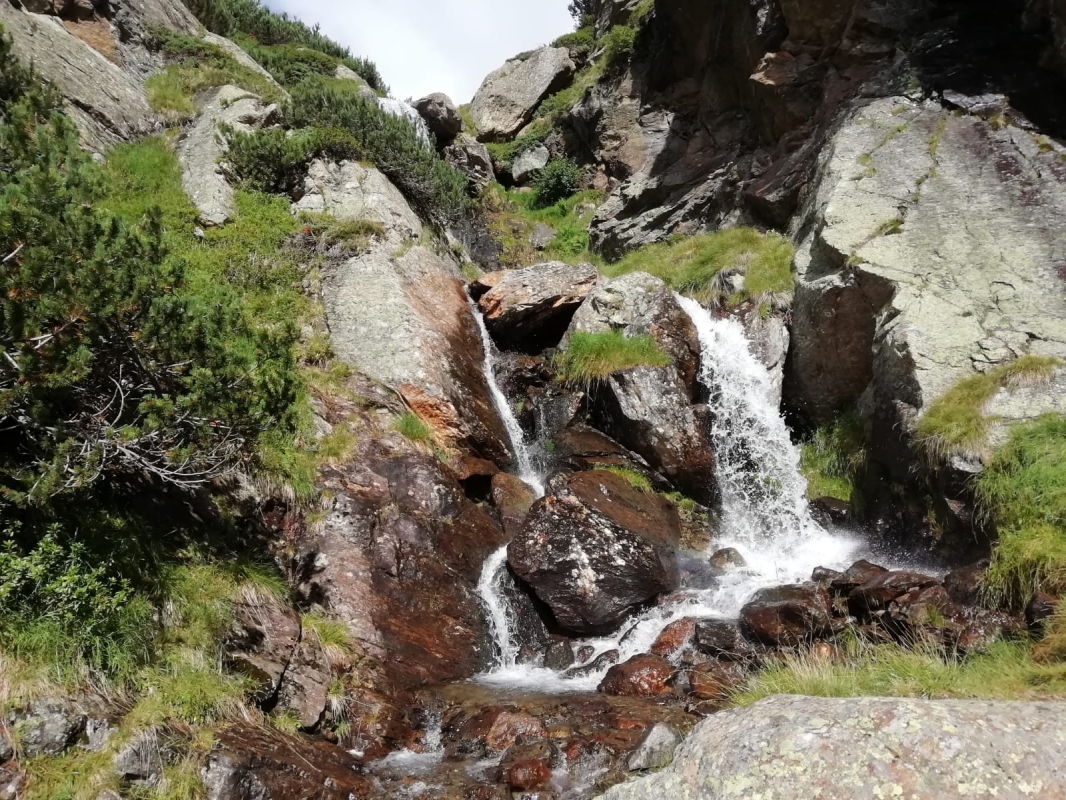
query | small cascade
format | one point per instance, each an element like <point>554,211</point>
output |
<point>490,583</point>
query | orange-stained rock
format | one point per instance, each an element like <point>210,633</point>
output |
<point>674,637</point>
<point>640,676</point>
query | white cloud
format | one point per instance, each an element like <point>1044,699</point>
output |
<point>423,46</point>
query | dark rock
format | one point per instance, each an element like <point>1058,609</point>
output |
<point>473,159</point>
<point>441,116</point>
<point>257,763</point>
<point>979,628</point>
<point>829,511</point>
<point>824,575</point>
<point>530,309</point>
<point>48,727</point>
<point>715,680</point>
<point>855,576</point>
<point>931,607</point>
<point>141,760</point>
<point>728,557</point>
<point>559,656</point>
<point>788,615</point>
<point>724,640</point>
<point>964,584</point>
<point>876,593</point>
<point>601,662</point>
<point>494,729</point>
<point>640,676</point>
<point>1041,608</point>
<point>512,499</point>
<point>13,782</point>
<point>265,633</point>
<point>674,637</point>
<point>568,550</point>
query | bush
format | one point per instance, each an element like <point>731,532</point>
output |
<point>559,179</point>
<point>290,64</point>
<point>592,356</point>
<point>579,43</point>
<point>693,265</point>
<point>618,46</point>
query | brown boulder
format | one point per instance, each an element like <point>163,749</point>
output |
<point>728,557</point>
<point>788,615</point>
<point>568,550</point>
<point>528,767</point>
<point>529,309</point>
<point>261,643</point>
<point>512,499</point>
<point>640,676</point>
<point>880,590</point>
<point>715,680</point>
<point>854,576</point>
<point>493,730</point>
<point>964,584</point>
<point>674,637</point>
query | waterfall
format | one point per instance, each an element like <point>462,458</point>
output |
<point>493,573</point>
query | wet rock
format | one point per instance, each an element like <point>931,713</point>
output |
<point>600,663</point>
<point>1041,608</point>
<point>724,640</point>
<point>559,656</point>
<point>261,643</point>
<point>494,730</point>
<point>977,629</point>
<point>352,192</point>
<point>656,749</point>
<point>305,687</point>
<point>876,593</point>
<point>855,576</point>
<point>257,763</point>
<point>509,96</point>
<point>931,607</point>
<point>528,767</point>
<point>903,740</point>
<point>728,557</point>
<point>441,116</point>
<point>715,680</point>
<point>824,575</point>
<point>530,309</point>
<point>829,511</point>
<point>202,148</point>
<point>473,159</point>
<point>640,676</point>
<point>47,727</point>
<point>788,615</point>
<point>675,636</point>
<point>529,163</point>
<point>964,584</point>
<point>513,499</point>
<point>569,550</point>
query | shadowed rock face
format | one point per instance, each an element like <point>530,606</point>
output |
<point>857,747</point>
<point>596,549</point>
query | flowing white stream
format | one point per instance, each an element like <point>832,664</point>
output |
<point>494,572</point>
<point>764,504</point>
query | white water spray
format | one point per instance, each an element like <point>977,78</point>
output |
<point>494,572</point>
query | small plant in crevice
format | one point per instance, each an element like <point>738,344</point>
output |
<point>834,456</point>
<point>637,480</point>
<point>592,356</point>
<point>411,426</point>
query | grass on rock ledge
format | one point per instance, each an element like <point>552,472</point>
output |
<point>592,356</point>
<point>833,457</point>
<point>513,215</point>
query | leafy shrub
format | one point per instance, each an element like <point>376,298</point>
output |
<point>591,356</point>
<point>559,179</point>
<point>290,64</point>
<point>618,46</point>
<point>249,20</point>
<point>579,43</point>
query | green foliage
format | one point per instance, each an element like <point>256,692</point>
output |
<point>957,423</point>
<point>635,479</point>
<point>695,265</point>
<point>290,63</point>
<point>1006,671</point>
<point>833,458</point>
<point>346,125</point>
<point>411,425</point>
<point>504,153</point>
<point>247,21</point>
<point>1023,491</point>
<point>618,46</point>
<point>558,180</point>
<point>579,43</point>
<point>195,66</point>
<point>592,356</point>
<point>513,215</point>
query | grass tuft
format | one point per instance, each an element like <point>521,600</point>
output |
<point>635,479</point>
<point>592,356</point>
<point>833,457</point>
<point>697,265</point>
<point>411,425</point>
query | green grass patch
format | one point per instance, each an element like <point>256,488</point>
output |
<point>957,423</point>
<point>512,216</point>
<point>1007,671</point>
<point>411,425</point>
<point>1023,491</point>
<point>332,635</point>
<point>833,457</point>
<point>635,479</point>
<point>592,356</point>
<point>698,266</point>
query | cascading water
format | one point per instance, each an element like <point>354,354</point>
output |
<point>494,572</point>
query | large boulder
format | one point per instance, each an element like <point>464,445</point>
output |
<point>788,615</point>
<point>640,676</point>
<point>473,159</point>
<point>650,410</point>
<point>441,116</point>
<point>509,96</point>
<point>201,149</point>
<point>529,163</point>
<point>570,550</point>
<point>934,240</point>
<point>530,309</point>
<point>351,192</point>
<point>108,105</point>
<point>788,747</point>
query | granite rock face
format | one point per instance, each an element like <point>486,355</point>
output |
<point>787,747</point>
<point>509,96</point>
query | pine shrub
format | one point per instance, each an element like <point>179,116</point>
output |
<point>557,181</point>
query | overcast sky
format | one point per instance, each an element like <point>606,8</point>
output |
<point>423,46</point>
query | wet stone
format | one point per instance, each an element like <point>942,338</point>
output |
<point>640,676</point>
<point>788,615</point>
<point>854,576</point>
<point>723,639</point>
<point>728,557</point>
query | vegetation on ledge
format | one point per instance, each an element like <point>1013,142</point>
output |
<point>512,216</point>
<point>592,356</point>
<point>833,457</point>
